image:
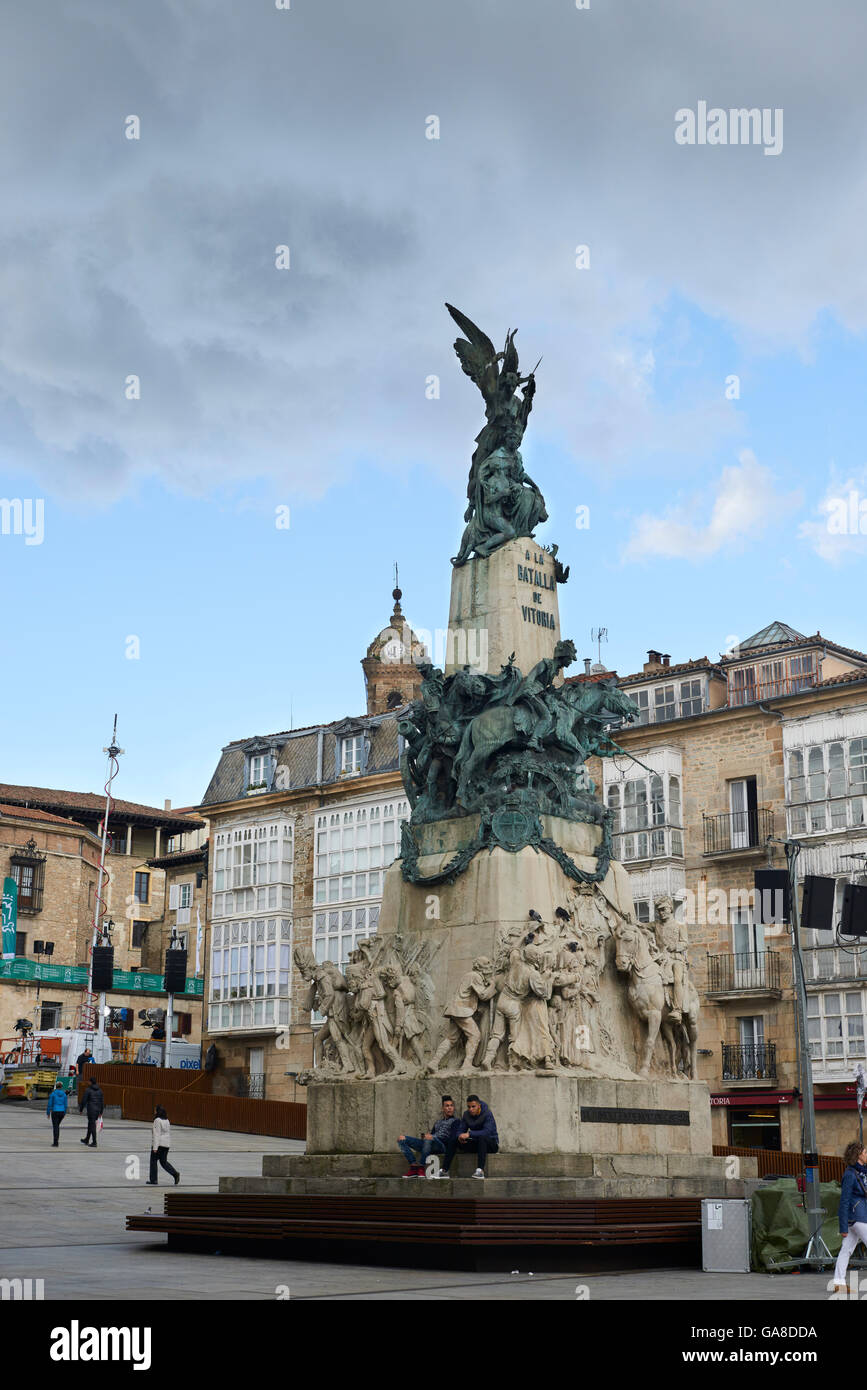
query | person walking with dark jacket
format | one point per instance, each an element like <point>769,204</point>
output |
<point>853,1208</point>
<point>56,1109</point>
<point>93,1103</point>
<point>162,1138</point>
<point>477,1135</point>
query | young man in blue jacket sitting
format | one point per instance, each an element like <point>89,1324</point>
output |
<point>477,1135</point>
<point>853,1208</point>
<point>57,1107</point>
<point>443,1132</point>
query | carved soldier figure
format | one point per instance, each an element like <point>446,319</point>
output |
<point>369,992</point>
<point>545,936</point>
<point>407,1024</point>
<point>328,995</point>
<point>672,942</point>
<point>595,921</point>
<point>564,1002</point>
<point>525,989</point>
<point>475,989</point>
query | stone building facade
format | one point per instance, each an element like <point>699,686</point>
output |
<point>724,752</point>
<point>50,842</point>
<point>303,824</point>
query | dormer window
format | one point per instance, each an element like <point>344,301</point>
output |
<point>352,753</point>
<point>258,772</point>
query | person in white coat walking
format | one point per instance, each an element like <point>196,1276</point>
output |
<point>162,1138</point>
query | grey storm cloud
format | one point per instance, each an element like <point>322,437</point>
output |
<point>306,127</point>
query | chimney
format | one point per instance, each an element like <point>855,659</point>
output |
<point>167,806</point>
<point>587,665</point>
<point>666,658</point>
<point>654,660</point>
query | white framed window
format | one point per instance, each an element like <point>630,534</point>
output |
<point>185,902</point>
<point>353,848</point>
<point>648,825</point>
<point>664,703</point>
<point>253,868</point>
<point>827,786</point>
<point>835,1026</point>
<point>338,931</point>
<point>253,963</point>
<point>691,697</point>
<point>352,753</point>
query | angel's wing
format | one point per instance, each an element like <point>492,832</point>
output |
<point>510,354</point>
<point>478,355</point>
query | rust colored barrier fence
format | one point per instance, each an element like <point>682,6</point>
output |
<point>151,1078</point>
<point>187,1101</point>
<point>786,1163</point>
<point>283,1118</point>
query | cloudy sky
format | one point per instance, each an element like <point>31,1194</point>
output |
<point>263,386</point>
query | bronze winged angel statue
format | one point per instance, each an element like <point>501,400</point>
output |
<point>503,502</point>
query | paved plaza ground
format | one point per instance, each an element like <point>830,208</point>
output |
<point>63,1216</point>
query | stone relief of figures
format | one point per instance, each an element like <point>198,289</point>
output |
<point>377,1013</point>
<point>538,1005</point>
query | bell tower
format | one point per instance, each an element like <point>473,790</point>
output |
<point>391,675</point>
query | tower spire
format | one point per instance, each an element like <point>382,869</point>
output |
<point>396,595</point>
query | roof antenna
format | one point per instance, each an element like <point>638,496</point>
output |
<point>599,635</point>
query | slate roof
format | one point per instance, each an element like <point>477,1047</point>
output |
<point>296,763</point>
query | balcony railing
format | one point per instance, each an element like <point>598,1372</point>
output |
<point>770,690</point>
<point>739,830</point>
<point>749,1061</point>
<point>747,970</point>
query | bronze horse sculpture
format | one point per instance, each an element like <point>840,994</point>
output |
<point>574,727</point>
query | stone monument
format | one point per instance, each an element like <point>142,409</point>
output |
<point>508,960</point>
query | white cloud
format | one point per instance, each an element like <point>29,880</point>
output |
<point>262,127</point>
<point>842,532</point>
<point>746,502</point>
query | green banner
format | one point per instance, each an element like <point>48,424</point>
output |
<point>10,917</point>
<point>133,981</point>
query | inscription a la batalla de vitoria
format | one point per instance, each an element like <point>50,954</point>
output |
<point>534,575</point>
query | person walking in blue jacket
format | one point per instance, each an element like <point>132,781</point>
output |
<point>57,1107</point>
<point>853,1208</point>
<point>477,1135</point>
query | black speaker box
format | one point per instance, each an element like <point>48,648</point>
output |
<point>773,898</point>
<point>854,919</point>
<point>817,907</point>
<point>175,981</point>
<point>103,969</point>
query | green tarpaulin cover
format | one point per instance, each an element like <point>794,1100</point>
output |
<point>780,1226</point>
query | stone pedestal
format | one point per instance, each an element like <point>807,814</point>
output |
<point>535,1113</point>
<point>503,604</point>
<point>561,1138</point>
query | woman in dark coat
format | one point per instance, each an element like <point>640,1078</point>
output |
<point>853,1208</point>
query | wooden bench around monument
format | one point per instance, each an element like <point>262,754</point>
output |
<point>215,1218</point>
